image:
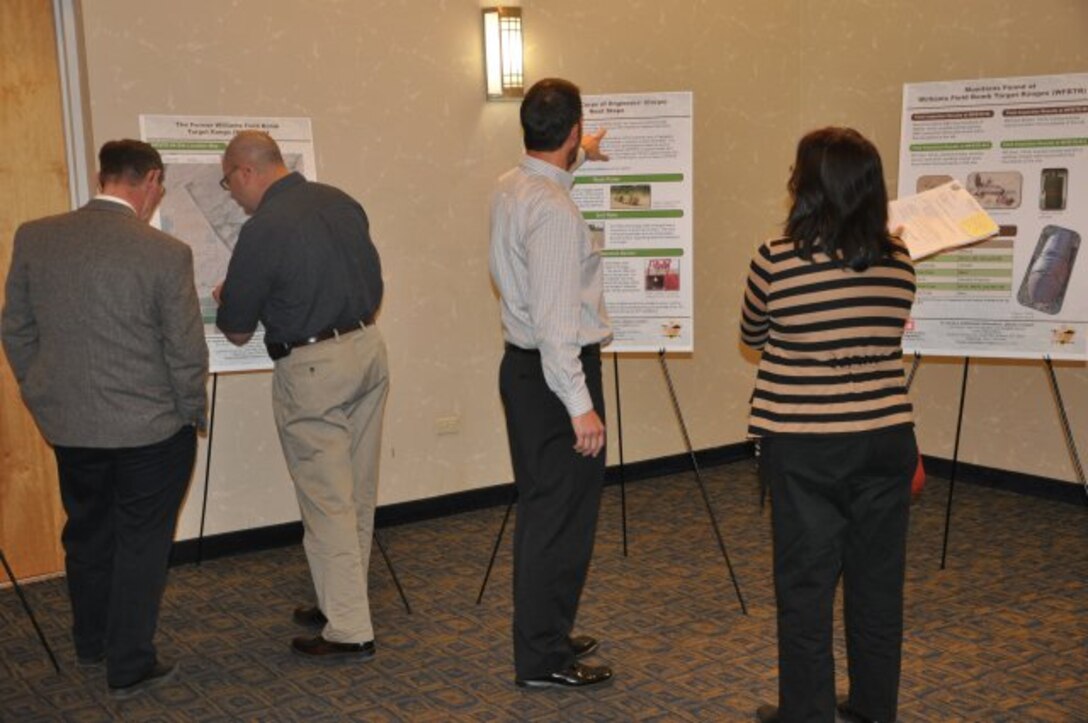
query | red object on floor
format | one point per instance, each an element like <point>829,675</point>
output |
<point>918,483</point>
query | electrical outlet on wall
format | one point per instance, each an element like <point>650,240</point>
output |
<point>447,425</point>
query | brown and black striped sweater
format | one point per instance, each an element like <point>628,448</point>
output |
<point>831,340</point>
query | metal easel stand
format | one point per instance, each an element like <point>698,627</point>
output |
<point>498,541</point>
<point>1064,419</point>
<point>619,437</point>
<point>955,463</point>
<point>392,572</point>
<point>207,485</point>
<point>623,489</point>
<point>623,498</point>
<point>29,612</point>
<point>207,471</point>
<point>699,479</point>
<point>1066,429</point>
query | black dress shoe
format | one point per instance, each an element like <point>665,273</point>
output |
<point>848,714</point>
<point>767,714</point>
<point>577,675</point>
<point>582,645</point>
<point>90,661</point>
<point>161,673</point>
<point>310,616</point>
<point>320,648</point>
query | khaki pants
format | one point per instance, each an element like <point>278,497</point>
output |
<point>328,399</point>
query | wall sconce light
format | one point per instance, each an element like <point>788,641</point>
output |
<point>502,52</point>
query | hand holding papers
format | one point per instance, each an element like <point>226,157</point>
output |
<point>941,218</point>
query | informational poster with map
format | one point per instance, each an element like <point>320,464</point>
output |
<point>638,207</point>
<point>200,213</point>
<point>1019,146</point>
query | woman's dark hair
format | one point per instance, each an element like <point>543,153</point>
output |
<point>550,109</point>
<point>840,204</point>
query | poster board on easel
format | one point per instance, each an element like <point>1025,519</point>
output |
<point>1020,147</point>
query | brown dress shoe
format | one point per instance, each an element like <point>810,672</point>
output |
<point>582,645</point>
<point>320,648</point>
<point>310,616</point>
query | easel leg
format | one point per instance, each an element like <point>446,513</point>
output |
<point>955,462</point>
<point>1064,418</point>
<point>207,472</point>
<point>389,564</point>
<point>913,370</point>
<point>699,479</point>
<point>762,487</point>
<point>619,437</point>
<point>495,549</point>
<point>29,612</point>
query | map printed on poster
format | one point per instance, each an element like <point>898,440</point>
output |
<point>203,215</point>
<point>638,207</point>
<point>1020,147</point>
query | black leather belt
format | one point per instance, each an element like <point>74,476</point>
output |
<point>280,349</point>
<point>588,350</point>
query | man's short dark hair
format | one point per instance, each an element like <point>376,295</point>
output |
<point>550,109</point>
<point>127,160</point>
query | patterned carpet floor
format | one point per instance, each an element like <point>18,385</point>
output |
<point>1000,635</point>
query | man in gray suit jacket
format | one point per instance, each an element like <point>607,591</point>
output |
<point>103,330</point>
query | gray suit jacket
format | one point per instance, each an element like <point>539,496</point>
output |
<point>102,327</point>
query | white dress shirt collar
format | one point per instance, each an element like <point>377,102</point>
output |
<point>114,199</point>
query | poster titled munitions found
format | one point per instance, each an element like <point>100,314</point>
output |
<point>638,207</point>
<point>1020,147</point>
<point>200,213</point>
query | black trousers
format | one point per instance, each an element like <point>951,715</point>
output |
<point>122,507</point>
<point>559,495</point>
<point>840,508</point>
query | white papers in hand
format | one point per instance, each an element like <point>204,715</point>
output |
<point>939,219</point>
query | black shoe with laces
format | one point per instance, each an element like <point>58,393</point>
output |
<point>577,675</point>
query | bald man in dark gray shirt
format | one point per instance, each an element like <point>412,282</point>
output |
<point>306,268</point>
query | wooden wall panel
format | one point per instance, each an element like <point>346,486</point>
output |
<point>33,183</point>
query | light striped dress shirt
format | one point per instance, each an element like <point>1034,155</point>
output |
<point>548,275</point>
<point>832,342</point>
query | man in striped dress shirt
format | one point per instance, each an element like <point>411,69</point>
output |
<point>548,274</point>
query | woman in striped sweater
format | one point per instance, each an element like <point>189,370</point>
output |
<point>827,304</point>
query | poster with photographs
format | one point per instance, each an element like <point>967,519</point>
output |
<point>638,207</point>
<point>1020,147</point>
<point>198,211</point>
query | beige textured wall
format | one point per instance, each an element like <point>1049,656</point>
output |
<point>395,93</point>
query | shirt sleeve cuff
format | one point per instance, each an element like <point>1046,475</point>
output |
<point>579,403</point>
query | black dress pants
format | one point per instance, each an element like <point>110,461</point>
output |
<point>841,507</point>
<point>122,507</point>
<point>559,495</point>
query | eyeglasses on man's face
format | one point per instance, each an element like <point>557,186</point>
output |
<point>224,182</point>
